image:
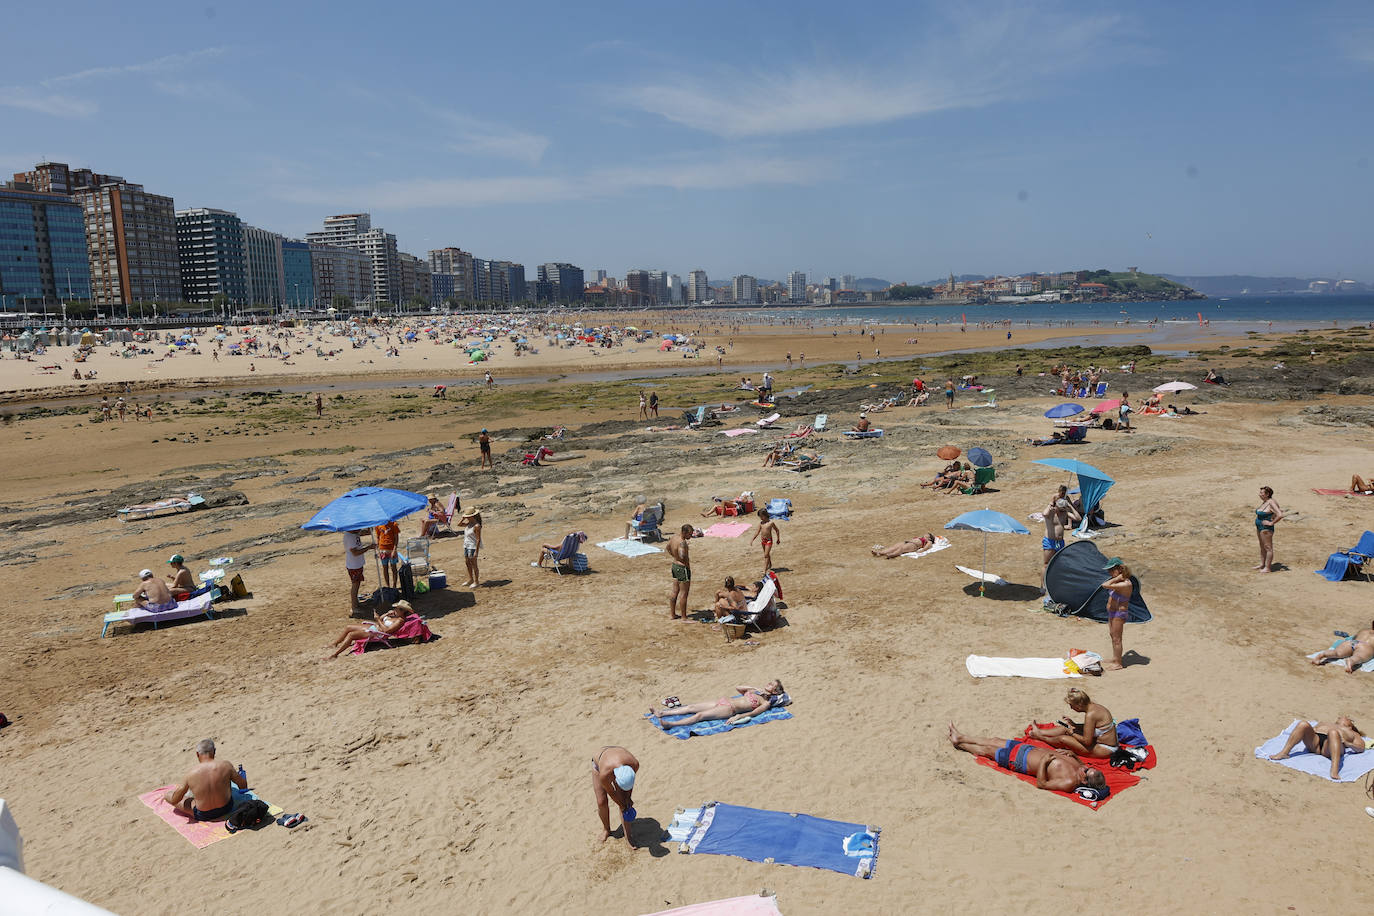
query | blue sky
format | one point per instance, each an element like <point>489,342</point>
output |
<point>898,140</point>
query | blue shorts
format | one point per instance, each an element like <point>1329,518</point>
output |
<point>469,553</point>
<point>1052,544</point>
<point>388,557</point>
<point>1017,763</point>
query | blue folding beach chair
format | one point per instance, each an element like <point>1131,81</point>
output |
<point>1101,390</point>
<point>567,553</point>
<point>1345,563</point>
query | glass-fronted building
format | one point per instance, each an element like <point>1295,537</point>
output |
<point>298,274</point>
<point>42,249</point>
<point>210,250</point>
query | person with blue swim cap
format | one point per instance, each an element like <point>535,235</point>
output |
<point>613,778</point>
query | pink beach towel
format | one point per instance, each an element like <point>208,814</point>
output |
<point>413,627</point>
<point>198,833</point>
<point>753,905</point>
<point>727,529</point>
<point>1331,492</point>
<point>732,433</point>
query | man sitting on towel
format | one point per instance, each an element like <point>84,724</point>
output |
<point>152,593</point>
<point>206,794</point>
<point>1057,770</point>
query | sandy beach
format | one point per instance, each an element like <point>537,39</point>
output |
<point>454,776</point>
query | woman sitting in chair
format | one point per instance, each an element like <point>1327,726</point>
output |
<point>436,516</point>
<point>733,710</point>
<point>384,625</point>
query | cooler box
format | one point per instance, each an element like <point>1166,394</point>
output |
<point>438,579</point>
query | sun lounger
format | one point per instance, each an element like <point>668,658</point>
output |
<point>805,463</point>
<point>763,609</point>
<point>649,524</point>
<point>768,420</point>
<point>1344,563</point>
<point>191,607</point>
<point>567,554</point>
<point>863,434</point>
<point>822,419</point>
<point>170,506</point>
<point>412,629</point>
<point>801,432</point>
<point>437,525</point>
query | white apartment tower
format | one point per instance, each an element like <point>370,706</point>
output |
<point>354,230</point>
<point>796,286</point>
<point>698,286</point>
<point>745,288</point>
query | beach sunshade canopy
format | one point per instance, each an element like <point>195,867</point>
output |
<point>1174,386</point>
<point>1104,406</point>
<point>1074,578</point>
<point>1063,410</point>
<point>1092,483</point>
<point>947,452</point>
<point>986,520</point>
<point>366,507</point>
<point>980,457</point>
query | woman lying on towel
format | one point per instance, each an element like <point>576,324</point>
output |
<point>385,625</point>
<point>911,545</point>
<point>734,710</point>
<point>1326,739</point>
<point>1095,737</point>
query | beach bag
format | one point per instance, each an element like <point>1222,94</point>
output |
<point>248,814</point>
<point>237,588</point>
<point>407,578</point>
<point>1128,732</point>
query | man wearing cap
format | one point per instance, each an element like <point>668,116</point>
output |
<point>183,580</point>
<point>613,777</point>
<point>484,443</point>
<point>152,593</point>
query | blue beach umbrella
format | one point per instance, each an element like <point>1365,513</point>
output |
<point>366,507</point>
<point>1092,483</point>
<point>986,520</point>
<point>979,457</point>
<point>1064,410</point>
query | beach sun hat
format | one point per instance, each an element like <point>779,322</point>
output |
<point>177,558</point>
<point>145,574</point>
<point>470,512</point>
<point>625,778</point>
<point>1113,563</point>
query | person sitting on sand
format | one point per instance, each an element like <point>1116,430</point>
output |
<point>1361,487</point>
<point>734,710</point>
<point>1057,770</point>
<point>153,594</point>
<point>956,482</point>
<point>383,625</point>
<point>939,479</point>
<point>1095,737</point>
<point>863,425</point>
<point>207,792</point>
<point>1356,651</point>
<point>910,545</point>
<point>729,600</point>
<point>183,580</point>
<point>1326,739</point>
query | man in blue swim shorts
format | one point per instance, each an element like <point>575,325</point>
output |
<point>1059,514</point>
<point>1057,770</point>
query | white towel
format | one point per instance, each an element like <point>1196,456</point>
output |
<point>940,544</point>
<point>984,576</point>
<point>986,666</point>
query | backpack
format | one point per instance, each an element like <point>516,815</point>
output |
<point>249,813</point>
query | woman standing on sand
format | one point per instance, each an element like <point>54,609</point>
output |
<point>643,406</point>
<point>471,520</point>
<point>1266,517</point>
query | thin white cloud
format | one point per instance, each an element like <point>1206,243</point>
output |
<point>735,172</point>
<point>977,59</point>
<point>157,65</point>
<point>485,138</point>
<point>52,103</point>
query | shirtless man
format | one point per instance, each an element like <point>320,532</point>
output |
<point>682,573</point>
<point>1355,651</point>
<point>206,794</point>
<point>613,778</point>
<point>1057,770</point>
<point>152,593</point>
<point>1333,741</point>
<point>183,581</point>
<point>863,425</point>
<point>1057,516</point>
<point>768,531</point>
<point>729,600</point>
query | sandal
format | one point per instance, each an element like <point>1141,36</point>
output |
<point>671,703</point>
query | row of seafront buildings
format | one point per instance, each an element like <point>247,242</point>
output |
<point>75,235</point>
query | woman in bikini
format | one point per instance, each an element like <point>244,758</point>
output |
<point>1095,737</point>
<point>911,545</point>
<point>1356,650</point>
<point>384,625</point>
<point>1119,588</point>
<point>1326,739</point>
<point>1266,517</point>
<point>750,702</point>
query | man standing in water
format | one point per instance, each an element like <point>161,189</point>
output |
<point>613,778</point>
<point>682,573</point>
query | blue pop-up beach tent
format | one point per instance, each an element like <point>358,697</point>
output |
<point>1092,483</point>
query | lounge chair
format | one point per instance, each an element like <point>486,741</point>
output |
<point>191,607</point>
<point>412,629</point>
<point>446,523</point>
<point>1101,391</point>
<point>1346,563</point>
<point>768,421</point>
<point>649,524</point>
<point>567,553</point>
<point>801,432</point>
<point>416,553</point>
<point>779,507</point>
<point>170,506</point>
<point>763,609</point>
<point>804,463</point>
<point>981,478</point>
<point>695,419</point>
<point>865,434</point>
<point>822,419</point>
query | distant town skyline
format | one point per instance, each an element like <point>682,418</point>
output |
<point>893,141</point>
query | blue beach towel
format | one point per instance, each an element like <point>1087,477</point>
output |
<point>780,508</point>
<point>779,837</point>
<point>1353,766</point>
<point>1340,662</point>
<point>628,548</point>
<point>713,726</point>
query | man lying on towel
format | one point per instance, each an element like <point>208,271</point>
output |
<point>206,794</point>
<point>1057,770</point>
<point>153,594</point>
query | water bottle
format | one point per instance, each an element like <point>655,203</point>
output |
<point>243,775</point>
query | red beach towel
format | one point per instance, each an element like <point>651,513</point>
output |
<point>1118,779</point>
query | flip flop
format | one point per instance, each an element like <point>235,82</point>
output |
<point>291,820</point>
<point>231,828</point>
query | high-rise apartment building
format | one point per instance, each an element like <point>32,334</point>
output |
<point>745,288</point>
<point>642,284</point>
<point>831,284</point>
<point>265,271</point>
<point>658,284</point>
<point>42,248</point>
<point>796,286</point>
<point>698,286</point>
<point>354,230</point>
<point>211,255</point>
<point>847,282</point>
<point>676,293</point>
<point>498,281</point>
<point>596,278</point>
<point>416,283</point>
<point>459,264</point>
<point>340,272</point>
<point>565,282</point>
<point>441,288</point>
<point>298,274</point>
<point>131,241</point>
